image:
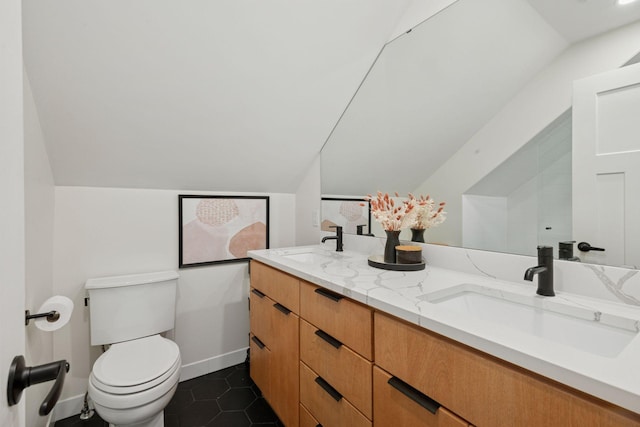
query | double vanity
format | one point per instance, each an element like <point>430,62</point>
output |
<point>337,342</point>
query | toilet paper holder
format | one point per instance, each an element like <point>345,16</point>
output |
<point>51,316</point>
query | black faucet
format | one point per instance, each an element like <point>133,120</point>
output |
<point>544,270</point>
<point>337,237</point>
<point>360,230</point>
<point>565,251</point>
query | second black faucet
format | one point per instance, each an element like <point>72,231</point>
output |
<point>337,237</point>
<point>544,270</point>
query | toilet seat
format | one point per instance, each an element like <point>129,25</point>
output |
<point>137,365</point>
<point>125,400</point>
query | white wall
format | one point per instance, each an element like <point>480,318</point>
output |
<point>555,191</point>
<point>39,205</point>
<point>308,206</point>
<point>484,222</point>
<point>540,102</point>
<point>522,224</point>
<point>106,231</point>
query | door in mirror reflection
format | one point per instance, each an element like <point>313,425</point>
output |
<point>606,166</point>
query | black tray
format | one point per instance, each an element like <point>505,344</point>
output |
<point>377,261</point>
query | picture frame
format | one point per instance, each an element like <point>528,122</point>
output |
<point>221,229</point>
<point>346,212</point>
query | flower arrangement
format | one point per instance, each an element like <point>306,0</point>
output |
<point>426,213</point>
<point>392,215</point>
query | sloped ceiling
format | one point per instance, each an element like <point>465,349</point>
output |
<point>431,90</point>
<point>580,19</point>
<point>231,95</point>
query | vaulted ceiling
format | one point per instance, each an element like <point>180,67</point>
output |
<point>220,95</point>
<point>232,95</point>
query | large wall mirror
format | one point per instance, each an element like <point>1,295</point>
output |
<point>474,107</point>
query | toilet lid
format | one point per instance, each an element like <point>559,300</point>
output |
<point>136,362</point>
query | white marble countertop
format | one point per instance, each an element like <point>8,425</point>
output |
<point>613,375</point>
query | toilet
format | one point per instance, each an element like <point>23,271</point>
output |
<point>133,381</point>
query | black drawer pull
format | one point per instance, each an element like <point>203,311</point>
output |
<point>328,338</point>
<point>330,390</point>
<point>417,396</point>
<point>258,342</point>
<point>282,308</point>
<point>257,292</point>
<point>327,294</point>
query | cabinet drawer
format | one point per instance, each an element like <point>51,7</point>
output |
<point>259,368</point>
<point>397,405</point>
<point>260,315</point>
<point>306,419</point>
<point>482,389</point>
<point>345,320</point>
<point>326,406</point>
<point>343,368</point>
<point>279,286</point>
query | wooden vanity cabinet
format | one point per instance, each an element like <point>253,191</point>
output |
<point>482,389</point>
<point>336,352</point>
<point>320,358</point>
<point>274,339</point>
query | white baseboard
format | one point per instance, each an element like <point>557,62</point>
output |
<point>68,407</point>
<point>213,364</point>
<point>73,405</point>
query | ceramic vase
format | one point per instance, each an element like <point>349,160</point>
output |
<point>393,240</point>
<point>417,235</point>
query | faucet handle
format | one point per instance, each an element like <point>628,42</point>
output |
<point>337,227</point>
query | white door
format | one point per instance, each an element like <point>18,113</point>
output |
<point>606,166</point>
<point>12,257</point>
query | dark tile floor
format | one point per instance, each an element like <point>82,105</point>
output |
<point>227,398</point>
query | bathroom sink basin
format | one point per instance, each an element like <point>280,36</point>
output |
<point>551,319</point>
<point>307,256</point>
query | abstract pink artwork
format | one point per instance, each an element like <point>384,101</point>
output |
<point>216,229</point>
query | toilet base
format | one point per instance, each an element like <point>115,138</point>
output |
<point>157,421</point>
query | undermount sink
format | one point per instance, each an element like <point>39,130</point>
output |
<point>551,319</point>
<point>307,256</point>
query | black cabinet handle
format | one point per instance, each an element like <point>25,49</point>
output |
<point>586,247</point>
<point>22,376</point>
<point>327,294</point>
<point>417,396</point>
<point>328,338</point>
<point>259,343</point>
<point>330,390</point>
<point>282,308</point>
<point>258,293</point>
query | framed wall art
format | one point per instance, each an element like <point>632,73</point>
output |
<point>346,212</point>
<point>220,229</point>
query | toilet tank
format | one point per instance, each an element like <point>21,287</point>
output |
<point>122,308</point>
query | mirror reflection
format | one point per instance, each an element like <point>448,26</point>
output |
<point>474,107</point>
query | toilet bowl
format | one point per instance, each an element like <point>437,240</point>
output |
<point>133,381</point>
